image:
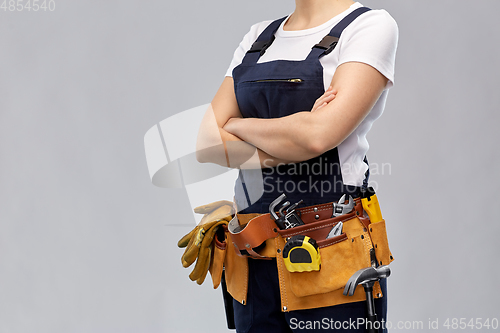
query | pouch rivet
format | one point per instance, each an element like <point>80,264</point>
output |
<point>285,308</point>
<point>315,209</point>
<point>391,258</point>
<point>381,262</point>
<point>316,217</point>
<point>247,246</point>
<point>352,239</point>
<point>275,230</point>
<point>279,251</point>
<point>379,295</point>
<point>243,302</point>
<point>362,237</point>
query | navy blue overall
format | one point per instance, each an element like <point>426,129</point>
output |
<point>277,89</point>
<point>271,90</point>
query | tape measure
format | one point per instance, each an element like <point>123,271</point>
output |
<point>301,254</point>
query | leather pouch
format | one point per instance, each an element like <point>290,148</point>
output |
<point>236,273</point>
<point>217,263</point>
<point>341,257</point>
<point>378,235</point>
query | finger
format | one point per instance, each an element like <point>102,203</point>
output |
<point>322,105</point>
<point>323,99</point>
<point>202,263</point>
<point>326,96</point>
<point>205,209</point>
<point>316,108</point>
<point>190,256</point>
<point>201,273</point>
<point>193,248</point>
<point>330,96</point>
<point>331,90</point>
<point>183,242</point>
<point>217,214</point>
<point>205,271</point>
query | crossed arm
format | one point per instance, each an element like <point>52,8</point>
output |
<point>355,88</point>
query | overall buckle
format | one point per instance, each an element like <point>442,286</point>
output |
<point>328,44</point>
<point>261,46</point>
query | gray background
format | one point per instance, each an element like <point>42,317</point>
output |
<point>85,241</point>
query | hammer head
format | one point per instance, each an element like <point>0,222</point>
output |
<point>365,275</point>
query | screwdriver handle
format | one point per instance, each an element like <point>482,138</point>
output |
<point>372,208</point>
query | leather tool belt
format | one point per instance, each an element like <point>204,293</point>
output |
<point>249,239</point>
<point>363,243</point>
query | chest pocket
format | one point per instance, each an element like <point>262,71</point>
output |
<point>275,99</point>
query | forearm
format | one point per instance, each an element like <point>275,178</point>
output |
<point>286,138</point>
<point>242,154</point>
<point>230,151</point>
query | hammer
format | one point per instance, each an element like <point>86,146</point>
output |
<point>367,278</point>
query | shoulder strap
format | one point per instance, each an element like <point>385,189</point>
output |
<point>265,39</point>
<point>329,42</point>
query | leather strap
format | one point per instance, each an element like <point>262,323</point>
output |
<point>318,223</point>
<point>253,234</point>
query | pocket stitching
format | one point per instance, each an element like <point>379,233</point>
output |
<point>280,269</point>
<point>317,227</point>
<point>326,244</point>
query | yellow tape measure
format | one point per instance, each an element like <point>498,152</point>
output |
<point>301,254</point>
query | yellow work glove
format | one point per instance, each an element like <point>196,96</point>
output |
<point>199,242</point>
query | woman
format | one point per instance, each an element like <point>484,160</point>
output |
<point>306,110</point>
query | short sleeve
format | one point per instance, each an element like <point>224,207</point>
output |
<point>246,44</point>
<point>372,40</point>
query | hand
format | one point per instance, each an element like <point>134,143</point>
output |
<point>326,98</point>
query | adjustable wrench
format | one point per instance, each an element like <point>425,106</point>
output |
<point>342,207</point>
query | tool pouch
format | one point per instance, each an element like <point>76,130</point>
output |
<point>341,257</point>
<point>378,235</point>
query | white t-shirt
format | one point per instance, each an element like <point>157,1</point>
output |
<point>372,39</point>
